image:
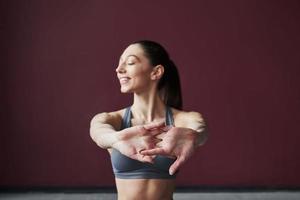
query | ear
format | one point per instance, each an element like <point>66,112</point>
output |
<point>157,72</point>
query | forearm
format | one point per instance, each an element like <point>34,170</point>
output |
<point>197,123</point>
<point>104,135</point>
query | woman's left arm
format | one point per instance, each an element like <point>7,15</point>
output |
<point>195,121</point>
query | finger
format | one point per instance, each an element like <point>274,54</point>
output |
<point>153,157</point>
<point>160,136</point>
<point>151,152</point>
<point>159,144</point>
<point>153,125</point>
<point>149,144</point>
<point>141,156</point>
<point>157,141</point>
<point>148,159</point>
<point>152,142</point>
<point>175,166</point>
<point>155,132</point>
<point>166,128</point>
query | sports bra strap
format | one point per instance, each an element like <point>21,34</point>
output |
<point>169,116</point>
<point>126,119</point>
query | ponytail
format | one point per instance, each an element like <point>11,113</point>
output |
<point>169,85</point>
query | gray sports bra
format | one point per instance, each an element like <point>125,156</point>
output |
<point>128,168</point>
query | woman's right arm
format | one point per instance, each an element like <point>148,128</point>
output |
<point>129,141</point>
<point>103,129</point>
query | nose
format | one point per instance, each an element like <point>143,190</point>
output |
<point>120,68</point>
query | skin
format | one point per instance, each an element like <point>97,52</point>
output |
<point>148,136</point>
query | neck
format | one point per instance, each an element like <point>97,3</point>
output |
<point>148,107</point>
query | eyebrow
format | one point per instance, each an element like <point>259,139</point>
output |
<point>133,56</point>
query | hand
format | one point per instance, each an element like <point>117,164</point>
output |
<point>176,142</point>
<point>131,141</point>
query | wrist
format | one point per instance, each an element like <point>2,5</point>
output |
<point>115,139</point>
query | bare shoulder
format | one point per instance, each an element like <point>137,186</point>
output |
<point>181,118</point>
<point>113,118</point>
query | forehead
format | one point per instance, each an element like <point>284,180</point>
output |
<point>134,49</point>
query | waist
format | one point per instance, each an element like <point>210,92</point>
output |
<point>145,189</point>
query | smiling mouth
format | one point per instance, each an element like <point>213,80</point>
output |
<point>124,80</point>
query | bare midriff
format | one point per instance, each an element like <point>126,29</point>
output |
<point>145,189</point>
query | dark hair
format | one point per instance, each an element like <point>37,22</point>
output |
<point>169,84</point>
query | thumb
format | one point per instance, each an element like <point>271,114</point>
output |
<point>148,159</point>
<point>175,166</point>
<point>166,128</point>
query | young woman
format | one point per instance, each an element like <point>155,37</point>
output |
<point>149,140</point>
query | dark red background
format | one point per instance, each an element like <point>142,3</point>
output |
<point>239,65</point>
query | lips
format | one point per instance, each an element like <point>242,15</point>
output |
<point>124,80</point>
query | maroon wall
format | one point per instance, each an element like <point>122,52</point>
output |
<point>239,65</point>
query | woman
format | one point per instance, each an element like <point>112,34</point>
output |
<point>150,139</point>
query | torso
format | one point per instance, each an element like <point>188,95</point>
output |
<point>146,189</point>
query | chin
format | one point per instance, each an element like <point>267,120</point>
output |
<point>125,90</point>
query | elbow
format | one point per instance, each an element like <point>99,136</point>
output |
<point>203,137</point>
<point>95,123</point>
<point>204,140</point>
<point>96,139</point>
<point>93,136</point>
